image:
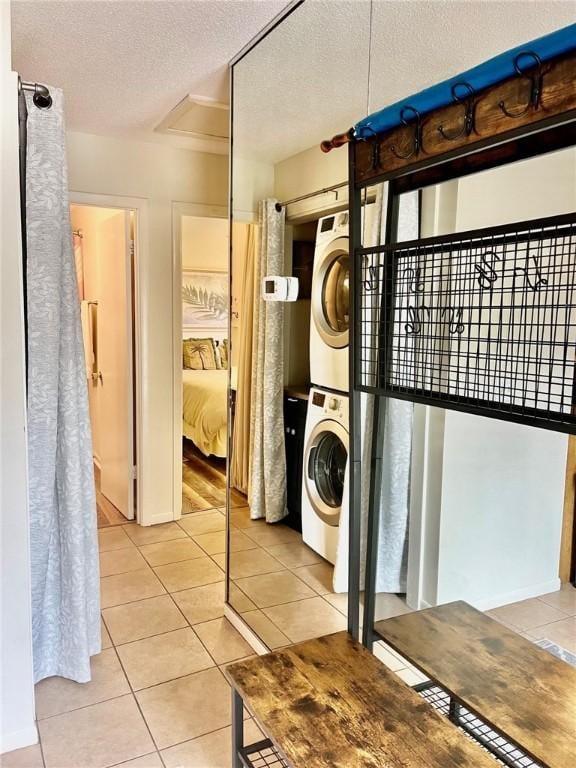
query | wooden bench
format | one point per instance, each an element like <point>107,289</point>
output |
<point>518,689</point>
<point>329,703</point>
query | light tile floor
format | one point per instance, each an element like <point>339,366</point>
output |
<point>159,697</point>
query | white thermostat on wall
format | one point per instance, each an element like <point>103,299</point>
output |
<point>279,288</point>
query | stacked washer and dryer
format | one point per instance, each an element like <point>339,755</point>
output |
<point>326,439</point>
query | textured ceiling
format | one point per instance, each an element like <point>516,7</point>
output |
<point>124,65</point>
<point>309,78</point>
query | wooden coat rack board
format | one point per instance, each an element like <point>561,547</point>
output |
<point>527,115</point>
<point>542,97</point>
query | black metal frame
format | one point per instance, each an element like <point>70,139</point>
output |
<point>505,752</point>
<point>461,328</point>
<point>523,145</point>
<point>261,754</point>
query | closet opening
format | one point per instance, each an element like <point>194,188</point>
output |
<point>104,253</point>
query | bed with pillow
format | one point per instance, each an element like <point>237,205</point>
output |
<point>204,394</point>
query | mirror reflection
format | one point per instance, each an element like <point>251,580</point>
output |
<point>462,499</point>
<point>288,561</point>
<point>203,242</point>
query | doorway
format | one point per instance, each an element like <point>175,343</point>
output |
<point>201,365</point>
<point>104,252</point>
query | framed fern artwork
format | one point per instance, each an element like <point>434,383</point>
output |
<point>204,300</point>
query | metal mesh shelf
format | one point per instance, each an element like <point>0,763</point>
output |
<point>502,750</point>
<point>483,322</point>
<point>263,754</point>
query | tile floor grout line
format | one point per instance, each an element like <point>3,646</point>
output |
<point>40,739</point>
<point>136,700</point>
<point>549,605</point>
<point>125,762</point>
<point>549,624</point>
<point>146,637</point>
<point>270,650</point>
<point>200,622</point>
<point>86,706</point>
<point>158,635</point>
<point>218,581</point>
<point>201,735</point>
<point>216,666</point>
<point>287,602</point>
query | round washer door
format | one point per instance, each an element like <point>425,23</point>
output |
<point>325,461</point>
<point>331,294</point>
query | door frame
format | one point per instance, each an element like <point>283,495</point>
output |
<point>204,211</point>
<point>139,208</point>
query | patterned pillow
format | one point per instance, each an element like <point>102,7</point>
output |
<point>199,354</point>
<point>223,349</point>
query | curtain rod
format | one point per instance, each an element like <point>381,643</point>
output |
<point>323,191</point>
<point>42,98</point>
<point>319,192</point>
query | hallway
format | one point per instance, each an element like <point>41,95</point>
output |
<point>159,697</point>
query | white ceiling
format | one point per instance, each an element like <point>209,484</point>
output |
<point>309,78</point>
<point>124,65</point>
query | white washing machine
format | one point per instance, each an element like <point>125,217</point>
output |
<point>325,471</point>
<point>330,301</point>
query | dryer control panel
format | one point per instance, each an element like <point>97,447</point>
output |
<point>333,405</point>
<point>336,225</point>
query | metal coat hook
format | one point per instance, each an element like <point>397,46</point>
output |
<point>375,154</point>
<point>534,74</point>
<point>466,100</point>
<point>415,121</point>
<point>374,149</point>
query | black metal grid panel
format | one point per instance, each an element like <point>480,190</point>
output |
<point>502,750</point>
<point>263,754</point>
<point>481,321</point>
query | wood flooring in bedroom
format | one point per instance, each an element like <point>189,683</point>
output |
<point>107,513</point>
<point>204,481</point>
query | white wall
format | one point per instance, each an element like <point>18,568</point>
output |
<point>252,181</point>
<point>17,728</point>
<point>161,175</point>
<point>503,484</point>
<point>204,243</point>
<point>311,171</point>
<point>204,246</point>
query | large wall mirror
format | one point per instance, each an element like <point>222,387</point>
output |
<point>470,509</point>
<point>289,457</point>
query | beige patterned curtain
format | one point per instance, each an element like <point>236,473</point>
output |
<point>246,241</point>
<point>267,489</point>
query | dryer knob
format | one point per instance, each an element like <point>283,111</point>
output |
<point>333,403</point>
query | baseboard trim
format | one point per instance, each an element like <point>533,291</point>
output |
<point>26,737</point>
<point>247,633</point>
<point>504,598</point>
<point>526,593</point>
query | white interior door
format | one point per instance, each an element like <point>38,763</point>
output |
<point>114,347</point>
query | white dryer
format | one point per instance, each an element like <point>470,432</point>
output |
<point>330,301</point>
<point>325,475</point>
